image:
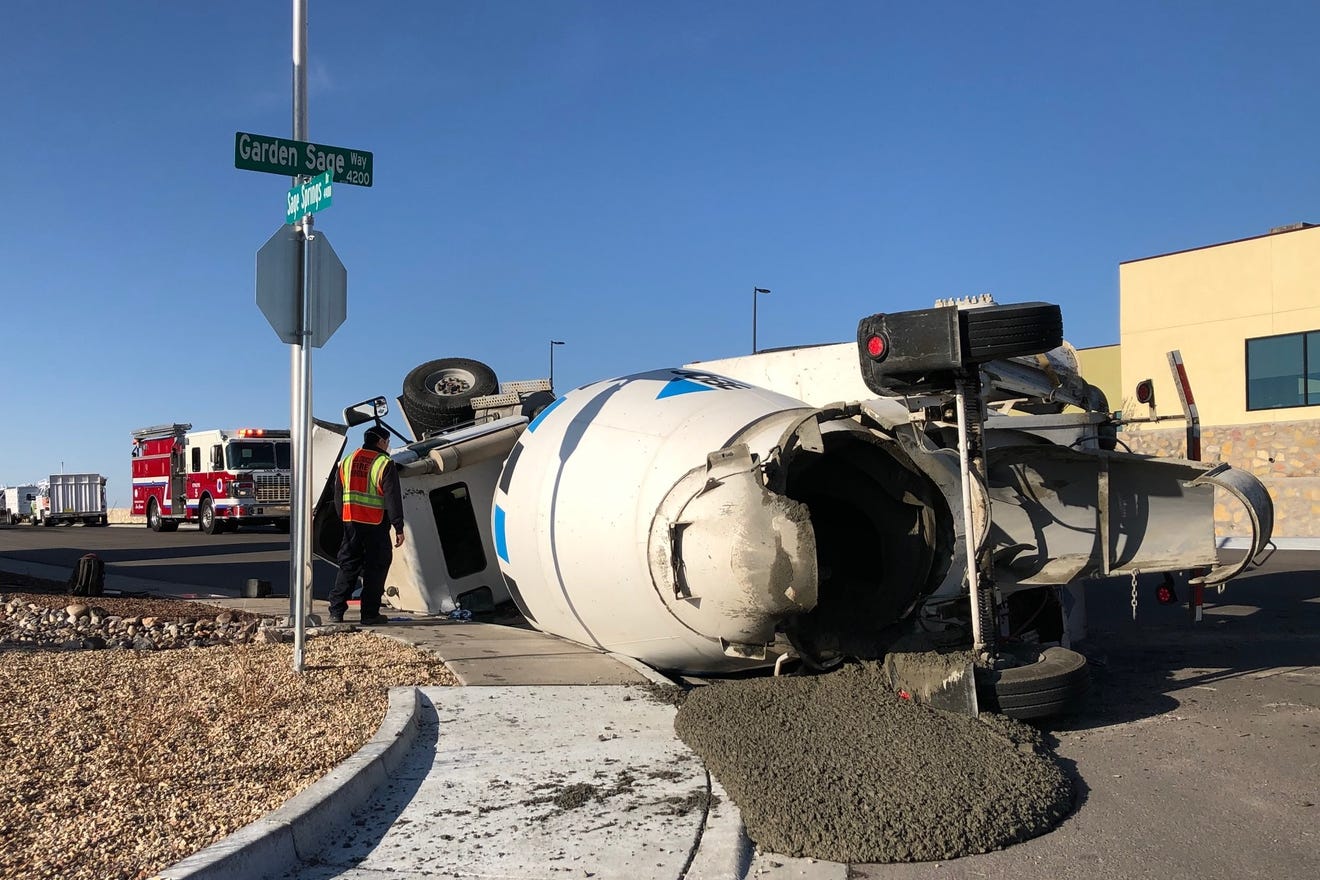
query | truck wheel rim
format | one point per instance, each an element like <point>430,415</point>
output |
<point>449,381</point>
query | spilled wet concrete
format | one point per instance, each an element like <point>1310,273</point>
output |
<point>838,767</point>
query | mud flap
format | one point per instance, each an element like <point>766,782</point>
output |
<point>945,682</point>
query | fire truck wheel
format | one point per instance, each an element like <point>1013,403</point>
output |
<point>448,383</point>
<point>206,520</point>
<point>153,515</point>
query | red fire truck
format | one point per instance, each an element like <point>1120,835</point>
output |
<point>217,479</point>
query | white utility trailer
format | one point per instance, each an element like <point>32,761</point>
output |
<point>65,499</point>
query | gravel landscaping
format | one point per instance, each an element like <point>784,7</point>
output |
<point>136,731</point>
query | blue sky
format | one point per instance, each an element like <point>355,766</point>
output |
<point>617,175</point>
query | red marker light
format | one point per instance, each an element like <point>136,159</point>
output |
<point>1164,593</point>
<point>877,347</point>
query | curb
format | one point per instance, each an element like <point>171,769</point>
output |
<point>280,840</point>
<point>642,669</point>
<point>112,581</point>
<point>724,851</point>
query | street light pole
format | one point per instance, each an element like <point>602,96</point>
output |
<point>755,291</point>
<point>553,343</point>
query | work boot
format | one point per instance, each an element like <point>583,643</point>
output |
<point>375,620</point>
<point>336,618</point>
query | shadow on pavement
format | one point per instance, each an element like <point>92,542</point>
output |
<point>1265,620</point>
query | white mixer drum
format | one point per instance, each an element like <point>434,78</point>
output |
<point>675,516</point>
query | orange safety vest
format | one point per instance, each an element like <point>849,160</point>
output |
<point>360,474</point>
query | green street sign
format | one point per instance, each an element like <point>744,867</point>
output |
<point>310,197</point>
<point>261,152</point>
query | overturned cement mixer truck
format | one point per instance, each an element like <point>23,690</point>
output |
<point>701,520</point>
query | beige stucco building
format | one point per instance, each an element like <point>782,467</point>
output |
<point>1246,316</point>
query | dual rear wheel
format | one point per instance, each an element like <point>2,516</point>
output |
<point>1045,683</point>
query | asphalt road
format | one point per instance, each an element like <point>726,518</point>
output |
<point>214,563</point>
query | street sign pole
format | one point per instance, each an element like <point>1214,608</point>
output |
<point>302,289</point>
<point>300,378</point>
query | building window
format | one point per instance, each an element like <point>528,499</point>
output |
<point>1283,371</point>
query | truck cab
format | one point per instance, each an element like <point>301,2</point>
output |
<point>448,484</point>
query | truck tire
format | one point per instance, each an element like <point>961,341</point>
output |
<point>426,421</point>
<point>206,520</point>
<point>154,521</point>
<point>997,332</point>
<point>1050,682</point>
<point>448,384</point>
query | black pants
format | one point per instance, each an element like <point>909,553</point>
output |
<point>365,552</point>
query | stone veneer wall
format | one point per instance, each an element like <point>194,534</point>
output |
<point>1284,455</point>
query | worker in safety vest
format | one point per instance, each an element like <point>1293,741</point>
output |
<point>367,484</point>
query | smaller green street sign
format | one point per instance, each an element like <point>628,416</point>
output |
<point>309,197</point>
<point>260,152</point>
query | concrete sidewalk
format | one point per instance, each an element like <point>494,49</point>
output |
<point>537,782</point>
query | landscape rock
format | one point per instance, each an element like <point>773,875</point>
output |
<point>50,621</point>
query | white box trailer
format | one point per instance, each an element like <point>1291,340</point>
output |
<point>71,498</point>
<point>17,503</point>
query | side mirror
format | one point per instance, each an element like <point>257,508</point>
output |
<point>366,411</point>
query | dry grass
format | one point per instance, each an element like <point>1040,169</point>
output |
<point>114,764</point>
